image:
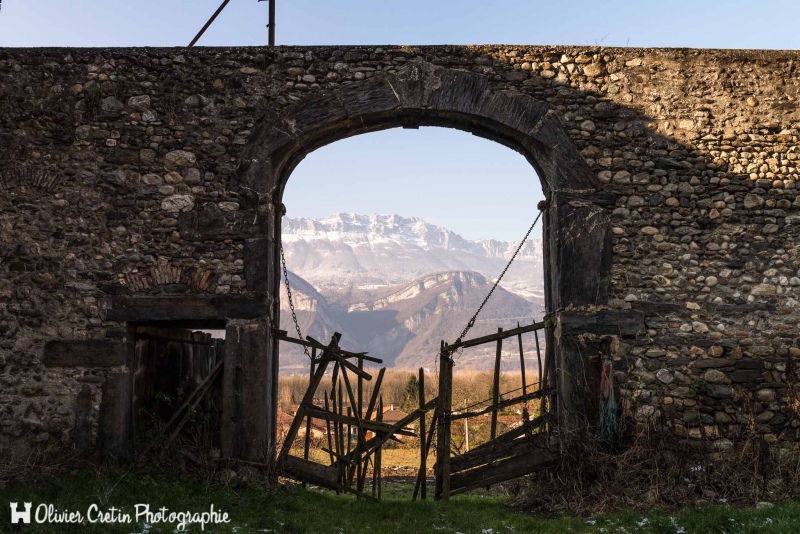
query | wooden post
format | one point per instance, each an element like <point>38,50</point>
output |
<point>113,429</point>
<point>374,478</point>
<point>272,23</point>
<point>307,445</point>
<point>360,414</point>
<point>540,380</point>
<point>443,430</point>
<point>550,375</point>
<point>328,428</point>
<point>340,432</point>
<point>496,384</point>
<point>522,364</point>
<point>466,428</point>
<point>248,426</point>
<point>378,452</point>
<point>423,453</point>
<point>349,448</point>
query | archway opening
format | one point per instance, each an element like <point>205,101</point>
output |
<point>576,230</point>
<point>370,215</point>
<point>394,239</point>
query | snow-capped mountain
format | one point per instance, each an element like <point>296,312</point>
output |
<point>397,286</point>
<point>347,251</point>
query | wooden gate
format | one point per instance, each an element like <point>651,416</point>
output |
<point>175,375</point>
<point>518,452</point>
<point>344,412</point>
<point>523,449</point>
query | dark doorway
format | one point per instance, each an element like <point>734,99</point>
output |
<point>170,364</point>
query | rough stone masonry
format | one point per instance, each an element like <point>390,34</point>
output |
<point>122,200</point>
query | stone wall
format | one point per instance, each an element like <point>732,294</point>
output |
<point>108,158</point>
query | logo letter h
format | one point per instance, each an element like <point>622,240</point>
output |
<point>17,516</point>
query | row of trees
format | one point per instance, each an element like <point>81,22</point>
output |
<point>401,388</point>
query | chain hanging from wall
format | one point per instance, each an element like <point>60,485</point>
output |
<point>471,322</point>
<point>291,301</point>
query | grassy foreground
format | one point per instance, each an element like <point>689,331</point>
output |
<point>292,509</point>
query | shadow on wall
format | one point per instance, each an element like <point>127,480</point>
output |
<point>703,221</point>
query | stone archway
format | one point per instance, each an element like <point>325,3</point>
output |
<point>577,230</point>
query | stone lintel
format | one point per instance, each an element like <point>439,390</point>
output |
<point>216,308</point>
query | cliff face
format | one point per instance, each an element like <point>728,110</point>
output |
<point>403,325</point>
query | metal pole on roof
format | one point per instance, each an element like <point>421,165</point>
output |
<point>210,21</point>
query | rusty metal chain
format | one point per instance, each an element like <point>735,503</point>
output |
<point>291,302</point>
<point>471,322</point>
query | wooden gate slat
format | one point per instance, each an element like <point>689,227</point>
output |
<point>495,452</point>
<point>513,467</point>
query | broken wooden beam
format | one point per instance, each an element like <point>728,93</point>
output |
<point>345,364</point>
<point>375,391</point>
<point>373,426</point>
<point>494,337</point>
<point>314,473</point>
<point>308,398</point>
<point>313,343</point>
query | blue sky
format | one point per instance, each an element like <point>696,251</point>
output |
<point>432,173</point>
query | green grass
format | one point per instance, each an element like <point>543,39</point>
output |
<point>257,508</point>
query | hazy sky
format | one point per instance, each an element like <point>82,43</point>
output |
<point>432,173</point>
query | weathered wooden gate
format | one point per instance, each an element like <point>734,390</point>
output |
<point>523,449</point>
<point>518,452</point>
<point>174,378</point>
<point>349,460</point>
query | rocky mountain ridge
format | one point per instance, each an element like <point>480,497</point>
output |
<point>346,251</point>
<point>397,286</point>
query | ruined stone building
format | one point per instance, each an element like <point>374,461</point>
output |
<point>141,188</point>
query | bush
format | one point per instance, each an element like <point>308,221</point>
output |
<point>659,470</point>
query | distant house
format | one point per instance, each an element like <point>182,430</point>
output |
<point>392,415</point>
<point>318,427</point>
<point>318,431</point>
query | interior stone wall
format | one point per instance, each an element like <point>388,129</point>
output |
<point>115,162</point>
